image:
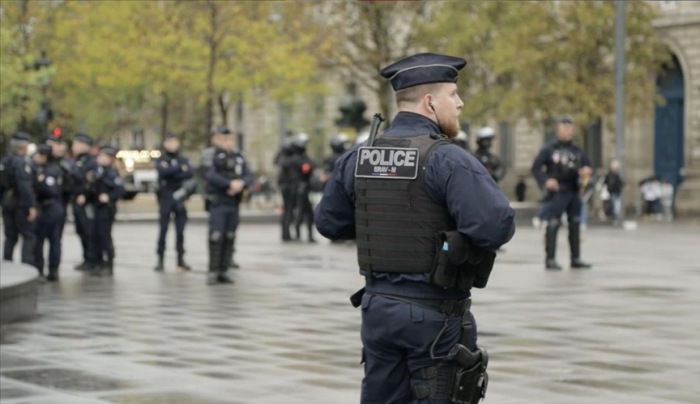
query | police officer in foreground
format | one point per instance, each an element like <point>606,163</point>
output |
<point>49,222</point>
<point>226,178</point>
<point>484,141</point>
<point>83,214</point>
<point>427,218</point>
<point>18,198</point>
<point>104,188</point>
<point>557,169</point>
<point>173,171</point>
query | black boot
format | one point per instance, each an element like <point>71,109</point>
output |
<point>215,257</point>
<point>223,278</point>
<point>181,264</point>
<point>228,254</point>
<point>232,263</point>
<point>83,266</point>
<point>311,233</point>
<point>159,265</point>
<point>575,244</point>
<point>53,275</point>
<point>551,245</point>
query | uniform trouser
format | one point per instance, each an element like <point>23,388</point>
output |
<point>48,226</point>
<point>16,225</point>
<point>169,207</point>
<point>553,208</point>
<point>289,198</point>
<point>306,211</point>
<point>223,222</point>
<point>396,340</point>
<point>102,233</point>
<point>84,228</point>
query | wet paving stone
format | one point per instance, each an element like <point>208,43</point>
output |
<point>285,333</point>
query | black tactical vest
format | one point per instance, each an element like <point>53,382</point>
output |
<point>396,221</point>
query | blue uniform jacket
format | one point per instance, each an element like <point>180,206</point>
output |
<point>83,163</point>
<point>173,169</point>
<point>49,183</point>
<point>107,181</point>
<point>22,174</point>
<point>554,158</point>
<point>453,178</point>
<point>217,180</point>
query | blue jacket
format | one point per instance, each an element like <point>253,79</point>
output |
<point>173,169</point>
<point>453,178</point>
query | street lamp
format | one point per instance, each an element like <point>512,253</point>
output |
<point>45,114</point>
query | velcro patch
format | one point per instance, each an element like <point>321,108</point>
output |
<point>387,162</point>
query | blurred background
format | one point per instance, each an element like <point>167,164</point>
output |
<point>126,72</point>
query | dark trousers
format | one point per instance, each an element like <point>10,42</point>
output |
<point>48,226</point>
<point>223,222</point>
<point>84,229</point>
<point>16,225</point>
<point>306,211</point>
<point>289,198</point>
<point>169,207</point>
<point>552,210</point>
<point>396,340</point>
<point>102,233</point>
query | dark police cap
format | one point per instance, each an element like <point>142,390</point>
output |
<point>21,136</point>
<point>54,137</point>
<point>44,149</point>
<point>222,130</point>
<point>83,138</point>
<point>108,150</point>
<point>566,119</point>
<point>424,68</point>
<point>170,135</point>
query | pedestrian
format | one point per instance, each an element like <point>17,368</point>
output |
<point>83,215</point>
<point>614,184</point>
<point>520,189</point>
<point>105,187</point>
<point>51,216</point>
<point>415,202</point>
<point>305,167</point>
<point>558,168</point>
<point>226,178</point>
<point>651,192</point>
<point>287,181</point>
<point>666,197</point>
<point>493,165</point>
<point>174,172</point>
<point>18,199</point>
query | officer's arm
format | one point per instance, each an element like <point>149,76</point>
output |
<point>25,183</point>
<point>185,169</point>
<point>116,186</point>
<point>214,178</point>
<point>246,174</point>
<point>165,169</point>
<point>480,209</point>
<point>48,186</point>
<point>335,214</point>
<point>540,161</point>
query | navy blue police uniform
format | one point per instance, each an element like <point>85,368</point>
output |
<point>561,161</point>
<point>104,180</point>
<point>83,215</point>
<point>224,208</point>
<point>51,213</point>
<point>173,170</point>
<point>18,197</point>
<point>287,180</point>
<point>66,166</point>
<point>304,167</point>
<point>410,320</point>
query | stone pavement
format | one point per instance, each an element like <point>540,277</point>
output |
<point>626,332</point>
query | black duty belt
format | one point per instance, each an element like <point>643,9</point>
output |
<point>448,307</point>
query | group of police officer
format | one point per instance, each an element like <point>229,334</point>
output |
<point>37,190</point>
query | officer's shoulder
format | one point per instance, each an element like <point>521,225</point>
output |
<point>453,155</point>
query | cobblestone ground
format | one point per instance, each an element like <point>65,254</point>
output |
<point>626,332</point>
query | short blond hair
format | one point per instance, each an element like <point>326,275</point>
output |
<point>413,95</point>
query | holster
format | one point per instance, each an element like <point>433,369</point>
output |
<point>460,264</point>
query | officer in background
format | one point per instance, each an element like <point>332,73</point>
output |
<point>226,178</point>
<point>59,157</point>
<point>484,141</point>
<point>49,196</point>
<point>18,198</point>
<point>557,169</point>
<point>339,145</point>
<point>462,140</point>
<point>173,170</point>
<point>438,200</point>
<point>305,169</point>
<point>82,211</point>
<point>104,188</point>
<point>286,176</point>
